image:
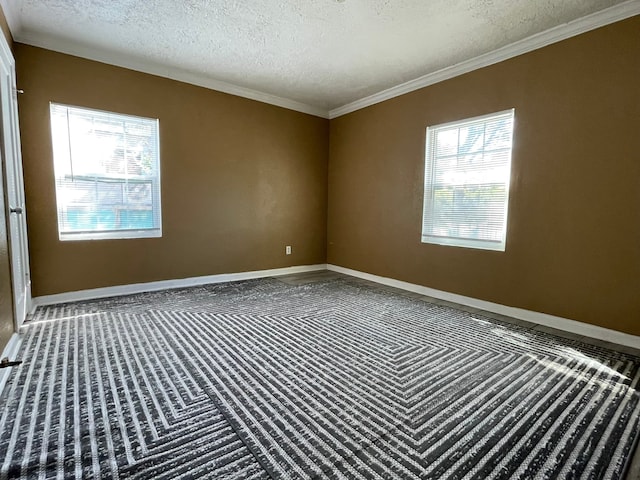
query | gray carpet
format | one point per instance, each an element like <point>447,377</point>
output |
<point>326,379</point>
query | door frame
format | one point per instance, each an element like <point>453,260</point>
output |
<point>14,179</point>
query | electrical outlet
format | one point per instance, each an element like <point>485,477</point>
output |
<point>287,249</point>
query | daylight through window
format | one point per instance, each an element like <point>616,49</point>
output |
<point>107,173</point>
<point>466,190</point>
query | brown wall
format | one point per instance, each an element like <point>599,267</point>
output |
<point>573,240</point>
<point>240,179</point>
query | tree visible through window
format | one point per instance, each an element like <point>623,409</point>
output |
<point>107,173</point>
<point>466,193</point>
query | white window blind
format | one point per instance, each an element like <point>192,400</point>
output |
<point>466,190</point>
<point>107,174</point>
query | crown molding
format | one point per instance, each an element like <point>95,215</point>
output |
<point>556,34</point>
<point>610,15</point>
<point>131,63</point>
<point>10,8</point>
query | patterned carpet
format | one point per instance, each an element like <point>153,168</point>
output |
<point>329,379</point>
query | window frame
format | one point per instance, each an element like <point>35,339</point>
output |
<point>156,186</point>
<point>428,184</point>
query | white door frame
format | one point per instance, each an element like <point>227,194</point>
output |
<point>14,191</point>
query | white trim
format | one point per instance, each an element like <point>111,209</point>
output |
<point>560,323</point>
<point>20,308</point>
<point>556,34</point>
<point>7,54</point>
<point>9,351</point>
<point>130,62</point>
<point>11,10</point>
<point>430,212</point>
<point>63,111</point>
<point>599,19</point>
<point>120,290</point>
<point>71,236</point>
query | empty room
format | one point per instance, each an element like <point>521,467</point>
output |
<point>341,239</point>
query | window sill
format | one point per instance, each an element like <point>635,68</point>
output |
<point>112,235</point>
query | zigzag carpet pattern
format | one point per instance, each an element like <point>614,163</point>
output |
<point>101,396</point>
<point>333,379</point>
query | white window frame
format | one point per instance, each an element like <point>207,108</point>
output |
<point>429,180</point>
<point>111,234</point>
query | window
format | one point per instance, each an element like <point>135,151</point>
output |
<point>466,187</point>
<point>107,173</point>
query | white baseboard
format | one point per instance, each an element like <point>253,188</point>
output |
<point>573,326</point>
<point>120,290</point>
<point>9,351</point>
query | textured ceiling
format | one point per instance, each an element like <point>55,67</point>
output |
<point>322,53</point>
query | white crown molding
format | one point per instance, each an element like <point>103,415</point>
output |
<point>11,10</point>
<point>565,324</point>
<point>125,61</point>
<point>610,15</point>
<point>556,34</point>
<point>119,290</point>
